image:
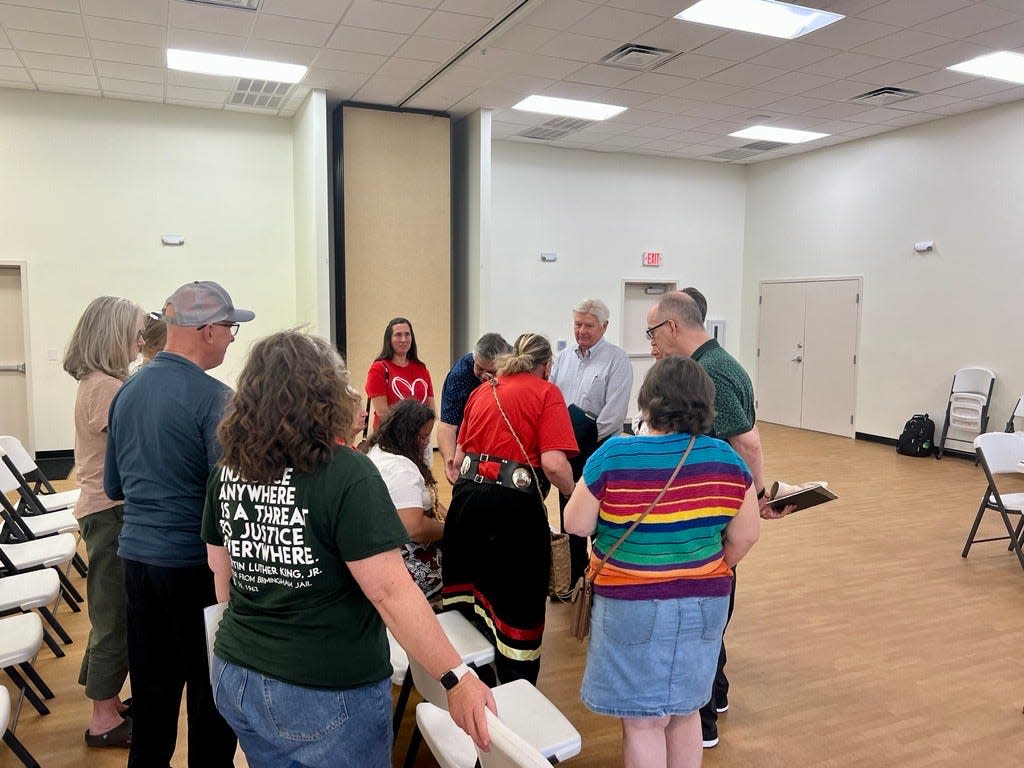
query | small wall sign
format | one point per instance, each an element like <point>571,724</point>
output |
<point>652,259</point>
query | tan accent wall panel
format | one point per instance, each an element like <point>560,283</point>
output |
<point>397,209</point>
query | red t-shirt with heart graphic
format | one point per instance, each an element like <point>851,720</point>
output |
<point>398,382</point>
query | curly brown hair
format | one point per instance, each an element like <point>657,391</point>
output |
<point>399,433</point>
<point>678,396</point>
<point>290,409</point>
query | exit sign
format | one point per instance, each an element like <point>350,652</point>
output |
<point>652,259</point>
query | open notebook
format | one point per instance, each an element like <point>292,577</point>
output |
<point>801,496</point>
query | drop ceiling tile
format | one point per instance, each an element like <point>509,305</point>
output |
<point>751,99</point>
<point>670,105</point>
<point>118,31</point>
<point>286,52</point>
<point>438,97</point>
<point>366,40</point>
<point>837,111</point>
<point>428,4</point>
<point>705,90</point>
<point>1001,97</point>
<point>9,58</point>
<point>868,130</point>
<point>792,55</point>
<point>616,23</point>
<point>561,15</point>
<point>636,117</point>
<point>912,118</point>
<point>62,45</point>
<point>488,8</point>
<point>623,98</point>
<point>285,30</point>
<point>202,82</point>
<point>795,82</point>
<point>1010,5</point>
<point>429,49</point>
<point>936,81</point>
<point>948,55</point>
<point>627,141</point>
<point>795,105</point>
<point>453,26</point>
<point>567,45</point>
<point>839,90</point>
<point>203,95</point>
<point>396,68</point>
<point>113,86</point>
<point>849,34</point>
<point>385,17</point>
<point>383,90</point>
<point>61,88</point>
<point>345,83</point>
<point>40,20</point>
<point>651,82</point>
<point>65,79</point>
<point>676,35</point>
<point>525,38</point>
<point>746,75</point>
<point>524,84</point>
<point>69,6</point>
<point>581,91</point>
<point>350,61</point>
<point>892,73</point>
<point>926,102</point>
<point>116,70</point>
<point>1008,36</point>
<point>714,111</point>
<point>194,40</point>
<point>694,66</point>
<point>844,65</point>
<point>904,43</point>
<point>977,88</point>
<point>595,74</point>
<point>877,115</point>
<point>146,11</point>
<point>4,42</point>
<point>681,122</point>
<point>103,50</point>
<point>328,11</point>
<point>53,63</point>
<point>908,13</point>
<point>739,46</point>
<point>967,105</point>
<point>14,75</point>
<point>210,18</point>
<point>969,21</point>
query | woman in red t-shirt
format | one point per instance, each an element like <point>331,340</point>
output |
<point>397,373</point>
<point>515,435</point>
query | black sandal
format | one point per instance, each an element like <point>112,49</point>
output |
<point>121,736</point>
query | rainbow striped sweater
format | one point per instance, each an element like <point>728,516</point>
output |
<point>677,550</point>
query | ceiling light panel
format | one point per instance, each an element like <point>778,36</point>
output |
<point>1001,65</point>
<point>772,133</point>
<point>234,66</point>
<point>762,17</point>
<point>585,110</point>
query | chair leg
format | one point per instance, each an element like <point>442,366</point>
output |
<point>52,621</point>
<point>26,689</point>
<point>80,566</point>
<point>414,745</point>
<point>19,750</point>
<point>1014,540</point>
<point>400,705</point>
<point>71,595</point>
<point>52,644</point>
<point>977,522</point>
<point>37,681</point>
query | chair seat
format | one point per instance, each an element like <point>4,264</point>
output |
<point>472,646</point>
<point>61,500</point>
<point>53,550</point>
<point>5,708</point>
<point>34,589</point>
<point>1014,502</point>
<point>20,638</point>
<point>62,521</point>
<point>399,661</point>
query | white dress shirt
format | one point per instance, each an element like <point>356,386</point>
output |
<point>597,381</point>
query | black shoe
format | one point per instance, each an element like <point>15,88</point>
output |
<point>722,703</point>
<point>710,735</point>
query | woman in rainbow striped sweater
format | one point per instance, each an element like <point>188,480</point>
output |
<point>660,602</point>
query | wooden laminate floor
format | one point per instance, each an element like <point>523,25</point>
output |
<point>860,637</point>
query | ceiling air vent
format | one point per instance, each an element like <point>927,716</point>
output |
<point>556,129</point>
<point>883,97</point>
<point>242,5</point>
<point>261,94</point>
<point>635,56</point>
<point>764,146</point>
<point>733,154</point>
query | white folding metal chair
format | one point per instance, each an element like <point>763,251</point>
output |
<point>967,408</point>
<point>48,498</point>
<point>51,552</point>
<point>1017,413</point>
<point>7,726</point>
<point>21,637</point>
<point>508,748</point>
<point>212,614</point>
<point>1000,453</point>
<point>35,590</point>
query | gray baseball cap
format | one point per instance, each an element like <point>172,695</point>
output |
<point>201,303</point>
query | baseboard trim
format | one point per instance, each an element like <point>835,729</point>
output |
<point>874,438</point>
<point>67,453</point>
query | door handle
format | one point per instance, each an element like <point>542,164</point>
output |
<point>798,359</point>
<point>13,367</point>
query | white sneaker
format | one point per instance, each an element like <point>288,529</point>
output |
<point>709,743</point>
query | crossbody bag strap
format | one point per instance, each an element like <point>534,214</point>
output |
<point>623,537</point>
<point>536,480</point>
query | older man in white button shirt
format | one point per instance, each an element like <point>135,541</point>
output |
<point>596,378</point>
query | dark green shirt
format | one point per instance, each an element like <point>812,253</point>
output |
<point>734,394</point>
<point>296,613</point>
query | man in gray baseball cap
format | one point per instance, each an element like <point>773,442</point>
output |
<point>161,446</point>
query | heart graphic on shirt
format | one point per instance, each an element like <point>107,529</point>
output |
<point>405,390</point>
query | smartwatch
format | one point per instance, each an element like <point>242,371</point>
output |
<point>452,677</point>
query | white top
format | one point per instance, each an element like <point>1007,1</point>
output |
<point>598,381</point>
<point>404,481</point>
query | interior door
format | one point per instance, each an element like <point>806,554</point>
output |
<point>13,383</point>
<point>781,353</point>
<point>830,351</point>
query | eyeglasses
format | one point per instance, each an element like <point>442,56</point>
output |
<point>232,327</point>
<point>650,331</point>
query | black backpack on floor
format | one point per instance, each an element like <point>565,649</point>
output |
<point>918,437</point>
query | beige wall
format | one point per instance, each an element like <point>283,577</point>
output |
<point>397,219</point>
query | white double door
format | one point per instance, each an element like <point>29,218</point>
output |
<point>807,354</point>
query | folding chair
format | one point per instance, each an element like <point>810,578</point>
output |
<point>1018,413</point>
<point>9,738</point>
<point>21,637</point>
<point>19,460</point>
<point>1000,453</point>
<point>508,748</point>
<point>542,728</point>
<point>37,589</point>
<point>51,552</point>
<point>967,409</point>
<point>212,614</point>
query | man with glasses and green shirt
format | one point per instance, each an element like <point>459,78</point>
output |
<point>161,447</point>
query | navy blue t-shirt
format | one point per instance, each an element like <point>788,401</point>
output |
<point>458,386</point>
<point>161,446</point>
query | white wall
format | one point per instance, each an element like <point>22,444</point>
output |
<point>88,186</point>
<point>599,213</point>
<point>858,209</point>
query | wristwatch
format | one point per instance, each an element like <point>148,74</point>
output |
<point>760,494</point>
<point>452,677</point>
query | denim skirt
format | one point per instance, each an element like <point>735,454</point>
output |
<point>651,658</point>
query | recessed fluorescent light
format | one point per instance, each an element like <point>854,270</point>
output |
<point>762,17</point>
<point>1001,65</point>
<point>786,135</point>
<point>585,110</point>
<point>234,66</point>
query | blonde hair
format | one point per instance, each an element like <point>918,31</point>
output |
<point>105,339</point>
<point>529,351</point>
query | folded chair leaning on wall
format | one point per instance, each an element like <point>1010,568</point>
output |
<point>967,408</point>
<point>1017,413</point>
<point>999,453</point>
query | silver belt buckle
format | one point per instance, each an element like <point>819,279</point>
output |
<point>521,478</point>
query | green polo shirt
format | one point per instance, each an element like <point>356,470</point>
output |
<point>734,394</point>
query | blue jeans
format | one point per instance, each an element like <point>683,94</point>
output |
<point>280,725</point>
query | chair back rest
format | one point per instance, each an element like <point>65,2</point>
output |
<point>23,462</point>
<point>430,689</point>
<point>1000,452</point>
<point>1018,413</point>
<point>212,614</point>
<point>8,482</point>
<point>978,380</point>
<point>508,748</point>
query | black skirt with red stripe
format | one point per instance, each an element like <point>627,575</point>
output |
<point>496,565</point>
